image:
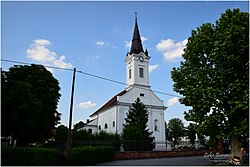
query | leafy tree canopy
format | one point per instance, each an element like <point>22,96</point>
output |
<point>214,76</point>
<point>176,128</point>
<point>30,95</point>
<point>191,133</point>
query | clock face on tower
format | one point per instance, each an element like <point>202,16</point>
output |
<point>141,59</point>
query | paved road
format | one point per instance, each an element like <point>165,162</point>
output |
<point>177,161</point>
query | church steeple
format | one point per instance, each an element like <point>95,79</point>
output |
<point>137,72</point>
<point>136,46</point>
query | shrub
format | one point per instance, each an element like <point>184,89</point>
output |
<point>134,139</point>
<point>25,156</point>
<point>90,155</point>
<point>84,138</point>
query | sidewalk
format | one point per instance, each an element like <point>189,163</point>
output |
<point>177,161</point>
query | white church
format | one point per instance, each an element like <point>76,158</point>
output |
<point>111,116</point>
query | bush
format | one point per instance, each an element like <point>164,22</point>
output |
<point>25,156</point>
<point>84,138</point>
<point>90,155</point>
<point>134,139</point>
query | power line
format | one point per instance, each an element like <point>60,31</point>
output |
<point>92,75</point>
<point>103,78</point>
<point>54,67</point>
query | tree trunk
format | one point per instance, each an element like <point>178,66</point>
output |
<point>235,151</point>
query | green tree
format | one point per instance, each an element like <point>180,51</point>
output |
<point>191,132</point>
<point>61,133</point>
<point>213,78</point>
<point>136,129</point>
<point>78,125</point>
<point>30,95</point>
<point>176,128</point>
<point>169,136</point>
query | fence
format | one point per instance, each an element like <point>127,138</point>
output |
<point>127,145</point>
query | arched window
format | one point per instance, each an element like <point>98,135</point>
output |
<point>106,126</point>
<point>156,125</point>
<point>113,123</point>
<point>99,127</point>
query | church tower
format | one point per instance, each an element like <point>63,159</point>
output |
<point>110,117</point>
<point>137,60</point>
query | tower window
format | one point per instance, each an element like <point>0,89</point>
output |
<point>99,127</point>
<point>113,123</point>
<point>129,73</point>
<point>141,72</point>
<point>142,94</point>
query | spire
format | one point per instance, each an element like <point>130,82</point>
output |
<point>136,46</point>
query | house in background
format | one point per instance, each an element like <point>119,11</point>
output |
<point>111,116</point>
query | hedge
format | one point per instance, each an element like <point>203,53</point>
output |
<point>29,156</point>
<point>90,155</point>
<point>36,156</point>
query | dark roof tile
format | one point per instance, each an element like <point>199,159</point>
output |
<point>110,103</point>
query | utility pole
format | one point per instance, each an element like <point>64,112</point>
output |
<point>71,110</point>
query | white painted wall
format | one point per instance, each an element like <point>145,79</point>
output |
<point>107,117</point>
<point>133,63</point>
<point>91,125</point>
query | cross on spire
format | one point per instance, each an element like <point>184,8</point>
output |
<point>136,15</point>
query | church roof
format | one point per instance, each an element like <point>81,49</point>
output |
<point>136,46</point>
<point>110,103</point>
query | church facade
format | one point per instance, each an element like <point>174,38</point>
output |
<point>111,116</point>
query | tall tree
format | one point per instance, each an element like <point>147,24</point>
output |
<point>213,78</point>
<point>191,132</point>
<point>136,129</point>
<point>176,128</point>
<point>29,103</point>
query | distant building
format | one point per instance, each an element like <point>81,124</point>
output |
<point>184,141</point>
<point>111,116</point>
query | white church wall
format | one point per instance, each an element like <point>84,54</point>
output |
<point>145,95</point>
<point>90,126</point>
<point>158,125</point>
<point>122,110</point>
<point>107,119</point>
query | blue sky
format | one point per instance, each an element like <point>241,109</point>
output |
<point>94,37</point>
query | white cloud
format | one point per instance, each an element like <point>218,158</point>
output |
<point>39,52</point>
<point>171,50</point>
<point>42,42</point>
<point>102,43</point>
<point>152,67</point>
<point>92,59</point>
<point>86,104</point>
<point>127,44</point>
<point>61,64</point>
<point>143,39</point>
<point>172,101</point>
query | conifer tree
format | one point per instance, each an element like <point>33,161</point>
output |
<point>136,135</point>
